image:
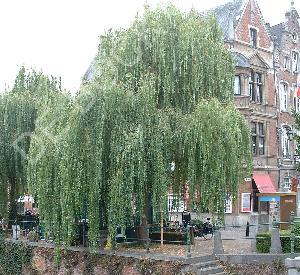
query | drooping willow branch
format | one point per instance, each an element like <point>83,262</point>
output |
<point>162,91</point>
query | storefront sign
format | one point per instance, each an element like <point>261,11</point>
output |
<point>269,198</point>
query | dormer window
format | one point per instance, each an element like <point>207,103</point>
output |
<point>294,36</point>
<point>253,37</point>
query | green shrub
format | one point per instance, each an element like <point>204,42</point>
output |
<point>33,236</point>
<point>297,237</point>
<point>263,242</point>
<point>285,239</point>
<point>13,257</point>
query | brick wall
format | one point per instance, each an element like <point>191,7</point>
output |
<point>252,17</point>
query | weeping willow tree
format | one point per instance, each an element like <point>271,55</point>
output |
<point>17,122</point>
<point>163,94</point>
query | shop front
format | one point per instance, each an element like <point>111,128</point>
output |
<point>278,205</point>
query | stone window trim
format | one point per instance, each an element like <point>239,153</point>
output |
<point>253,36</point>
<point>256,86</point>
<point>287,181</point>
<point>286,63</point>
<point>295,36</point>
<point>295,61</point>
<point>258,137</point>
<point>246,203</point>
<point>296,104</point>
<point>228,204</point>
<point>175,204</point>
<point>238,85</point>
<point>285,142</point>
<point>284,96</point>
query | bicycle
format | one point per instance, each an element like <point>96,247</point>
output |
<point>206,230</point>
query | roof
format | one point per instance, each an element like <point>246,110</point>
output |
<point>264,183</point>
<point>227,17</point>
<point>277,31</point>
<point>89,72</point>
<point>240,60</point>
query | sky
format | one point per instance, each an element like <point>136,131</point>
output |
<point>60,37</point>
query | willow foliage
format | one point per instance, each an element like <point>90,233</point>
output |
<point>17,122</point>
<point>162,91</point>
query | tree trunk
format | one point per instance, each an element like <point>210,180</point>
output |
<point>12,200</point>
<point>161,228</point>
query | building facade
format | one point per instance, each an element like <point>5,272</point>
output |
<point>265,91</point>
<point>286,65</point>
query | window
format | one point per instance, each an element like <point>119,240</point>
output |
<point>294,36</point>
<point>253,37</point>
<point>246,202</point>
<point>258,138</point>
<point>256,87</point>
<point>285,142</point>
<point>287,182</point>
<point>297,104</point>
<point>228,204</point>
<point>175,204</point>
<point>295,61</point>
<point>237,85</point>
<point>283,96</point>
<point>286,63</point>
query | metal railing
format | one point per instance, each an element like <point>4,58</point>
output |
<point>21,230</point>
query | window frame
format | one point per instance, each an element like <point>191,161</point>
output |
<point>295,65</point>
<point>297,104</point>
<point>253,37</point>
<point>257,135</point>
<point>284,98</point>
<point>295,36</point>
<point>285,143</point>
<point>287,184</point>
<point>239,85</point>
<point>180,203</point>
<point>246,209</point>
<point>286,63</point>
<point>256,86</point>
<point>228,203</point>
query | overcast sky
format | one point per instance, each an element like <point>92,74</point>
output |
<point>61,36</point>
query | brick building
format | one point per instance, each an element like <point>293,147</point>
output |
<point>286,65</point>
<point>267,61</point>
<point>265,90</point>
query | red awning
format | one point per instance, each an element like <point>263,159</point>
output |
<point>264,183</point>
